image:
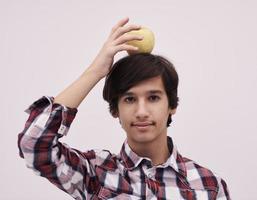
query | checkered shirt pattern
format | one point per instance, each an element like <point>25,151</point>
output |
<point>100,174</point>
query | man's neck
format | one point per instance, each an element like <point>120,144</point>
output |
<point>157,150</point>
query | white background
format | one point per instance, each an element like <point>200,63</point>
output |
<point>45,45</point>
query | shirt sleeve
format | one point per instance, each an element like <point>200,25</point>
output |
<point>67,168</point>
<point>223,192</point>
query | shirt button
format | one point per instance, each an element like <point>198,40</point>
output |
<point>149,175</point>
<point>61,129</point>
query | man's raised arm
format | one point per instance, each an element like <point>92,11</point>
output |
<point>74,94</point>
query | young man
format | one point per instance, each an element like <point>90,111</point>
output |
<point>141,90</point>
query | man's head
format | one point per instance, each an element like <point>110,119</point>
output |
<point>133,70</point>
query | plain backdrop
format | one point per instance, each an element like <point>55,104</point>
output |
<point>46,44</point>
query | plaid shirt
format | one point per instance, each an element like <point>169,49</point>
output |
<point>99,174</point>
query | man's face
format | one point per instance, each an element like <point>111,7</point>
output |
<point>143,111</point>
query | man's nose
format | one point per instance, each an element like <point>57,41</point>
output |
<point>142,109</point>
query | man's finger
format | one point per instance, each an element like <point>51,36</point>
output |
<point>122,22</point>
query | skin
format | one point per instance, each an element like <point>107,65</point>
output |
<point>143,115</point>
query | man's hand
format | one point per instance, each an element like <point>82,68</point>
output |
<point>115,43</point>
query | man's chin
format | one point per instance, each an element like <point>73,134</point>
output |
<point>143,139</point>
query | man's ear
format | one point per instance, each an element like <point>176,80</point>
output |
<point>173,111</point>
<point>115,115</point>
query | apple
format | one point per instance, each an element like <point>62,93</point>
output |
<point>146,44</point>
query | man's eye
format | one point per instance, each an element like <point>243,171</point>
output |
<point>154,98</point>
<point>129,99</point>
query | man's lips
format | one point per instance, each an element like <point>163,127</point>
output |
<point>142,124</point>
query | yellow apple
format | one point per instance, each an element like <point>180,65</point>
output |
<point>144,46</point>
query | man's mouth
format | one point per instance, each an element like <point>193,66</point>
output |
<point>142,125</point>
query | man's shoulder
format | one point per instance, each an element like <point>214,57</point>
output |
<point>201,177</point>
<point>194,165</point>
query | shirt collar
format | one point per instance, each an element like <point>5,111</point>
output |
<point>131,160</point>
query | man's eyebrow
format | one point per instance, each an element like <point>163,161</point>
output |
<point>148,92</point>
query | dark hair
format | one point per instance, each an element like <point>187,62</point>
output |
<point>132,69</point>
